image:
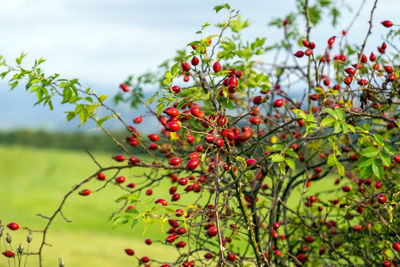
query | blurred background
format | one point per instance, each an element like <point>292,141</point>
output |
<point>102,42</point>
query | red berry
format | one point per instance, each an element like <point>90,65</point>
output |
<point>331,40</point>
<point>131,185</point>
<point>217,67</point>
<point>251,163</point>
<point>212,231</point>
<point>192,164</point>
<point>13,226</point>
<point>175,161</point>
<point>382,198</point>
<point>119,158</point>
<point>129,251</point>
<point>120,179</point>
<point>176,89</point>
<point>388,69</point>
<point>190,139</point>
<point>149,192</point>
<point>183,181</point>
<point>255,120</point>
<point>180,244</point>
<point>173,126</point>
<point>138,120</point>
<point>124,87</point>
<point>9,254</point>
<point>278,103</point>
<point>185,66</point>
<point>387,23</point>
<point>357,227</point>
<point>233,81</point>
<point>175,197</point>
<point>101,176</point>
<point>171,111</point>
<point>145,259</point>
<point>195,61</point>
<point>154,137</point>
<point>231,256</point>
<point>309,239</point>
<point>396,246</point>
<point>397,158</point>
<point>299,54</point>
<point>85,192</point>
<point>162,202</point>
<point>195,111</point>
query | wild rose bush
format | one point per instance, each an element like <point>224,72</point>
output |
<point>246,126</point>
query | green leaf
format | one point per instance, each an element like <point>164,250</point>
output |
<point>377,168</point>
<point>331,112</point>
<point>385,158</point>
<point>277,158</point>
<point>340,114</point>
<point>282,168</point>
<point>331,160</point>
<point>370,152</point>
<point>351,127</point>
<point>327,122</point>
<point>364,162</point>
<point>337,127</point>
<point>290,163</point>
<point>366,172</point>
<point>291,152</point>
<point>131,196</point>
<point>340,168</point>
<point>378,138</point>
<point>279,147</point>
<point>389,149</point>
<point>121,220</point>
<point>102,98</point>
<point>134,222</point>
<point>132,211</point>
<point>219,7</point>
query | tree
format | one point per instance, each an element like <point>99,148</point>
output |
<point>239,146</point>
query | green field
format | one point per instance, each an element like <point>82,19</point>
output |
<point>34,180</point>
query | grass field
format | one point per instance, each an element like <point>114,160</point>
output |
<point>34,180</point>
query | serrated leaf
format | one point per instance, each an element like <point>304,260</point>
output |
<point>331,112</point>
<point>385,158</point>
<point>291,152</point>
<point>337,127</point>
<point>378,138</point>
<point>282,168</point>
<point>279,147</point>
<point>327,122</point>
<point>389,149</point>
<point>277,158</point>
<point>290,163</point>
<point>340,168</point>
<point>121,220</point>
<point>351,127</point>
<point>134,222</point>
<point>340,114</point>
<point>377,168</point>
<point>331,160</point>
<point>364,162</point>
<point>370,152</point>
<point>102,98</point>
<point>366,172</point>
<point>220,7</point>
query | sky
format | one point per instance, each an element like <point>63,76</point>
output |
<point>101,42</point>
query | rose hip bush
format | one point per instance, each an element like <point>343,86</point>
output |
<point>246,125</point>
